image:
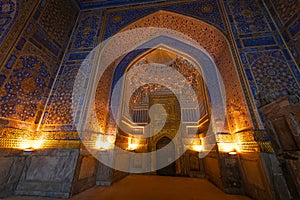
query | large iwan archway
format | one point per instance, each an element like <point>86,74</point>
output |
<point>197,40</point>
<point>212,41</point>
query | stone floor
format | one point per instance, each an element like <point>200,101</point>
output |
<point>136,187</point>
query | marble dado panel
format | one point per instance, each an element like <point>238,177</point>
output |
<point>12,165</point>
<point>49,173</point>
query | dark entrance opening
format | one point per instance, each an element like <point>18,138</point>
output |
<point>169,154</point>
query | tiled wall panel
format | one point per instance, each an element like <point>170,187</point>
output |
<point>286,14</point>
<point>31,65</point>
<point>269,68</point>
<point>92,27</point>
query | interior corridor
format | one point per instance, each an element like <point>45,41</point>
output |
<point>136,187</point>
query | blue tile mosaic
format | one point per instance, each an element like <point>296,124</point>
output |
<point>207,11</point>
<point>286,15</point>
<point>48,31</point>
<point>116,3</point>
<point>259,41</point>
<point>269,64</point>
<point>9,11</point>
<point>34,58</point>
<point>295,28</point>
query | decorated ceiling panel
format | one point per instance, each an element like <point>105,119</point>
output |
<point>115,3</point>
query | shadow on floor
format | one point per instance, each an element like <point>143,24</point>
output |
<point>137,187</point>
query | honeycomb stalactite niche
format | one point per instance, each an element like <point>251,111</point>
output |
<point>140,99</point>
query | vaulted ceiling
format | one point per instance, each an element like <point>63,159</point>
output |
<point>113,3</point>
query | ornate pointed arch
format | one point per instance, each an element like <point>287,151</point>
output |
<point>211,40</point>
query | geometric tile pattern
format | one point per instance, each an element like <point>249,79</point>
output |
<point>271,75</point>
<point>90,30</point>
<point>207,11</point>
<point>86,35</point>
<point>286,13</point>
<point>8,14</point>
<point>60,100</point>
<point>28,73</point>
<point>13,17</point>
<point>269,68</point>
<point>42,44</point>
<point>56,18</point>
<point>286,9</point>
<point>58,115</point>
<point>248,17</point>
<point>96,3</point>
<point>213,41</point>
<point>25,89</point>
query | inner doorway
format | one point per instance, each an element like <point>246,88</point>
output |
<point>169,155</point>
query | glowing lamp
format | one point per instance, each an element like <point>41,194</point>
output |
<point>29,146</point>
<point>197,148</point>
<point>233,152</point>
<point>28,151</point>
<point>132,145</point>
<point>34,144</point>
<point>103,144</point>
<point>229,147</point>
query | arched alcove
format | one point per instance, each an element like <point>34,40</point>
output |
<point>209,38</point>
<point>192,38</point>
<point>142,95</point>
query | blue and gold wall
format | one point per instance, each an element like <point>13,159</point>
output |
<point>45,42</point>
<point>40,55</point>
<point>265,62</point>
<point>97,25</point>
<point>286,15</point>
<point>33,37</point>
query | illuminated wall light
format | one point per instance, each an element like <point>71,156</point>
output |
<point>196,145</point>
<point>133,144</point>
<point>233,152</point>
<point>237,147</point>
<point>227,147</point>
<point>29,146</point>
<point>105,142</point>
<point>197,148</point>
<point>111,139</point>
<point>28,151</point>
<point>34,144</point>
